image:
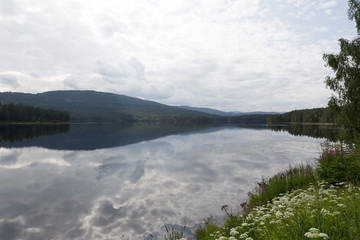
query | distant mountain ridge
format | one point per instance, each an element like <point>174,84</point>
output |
<point>228,114</point>
<point>92,106</point>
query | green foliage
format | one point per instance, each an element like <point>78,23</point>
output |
<point>346,82</point>
<point>315,115</point>
<point>354,13</point>
<point>339,163</point>
<point>204,230</point>
<point>294,178</point>
<point>318,211</point>
<point>232,221</point>
<point>19,113</point>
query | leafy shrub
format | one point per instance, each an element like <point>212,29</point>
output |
<point>339,163</point>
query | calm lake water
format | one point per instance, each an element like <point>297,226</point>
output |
<point>111,182</point>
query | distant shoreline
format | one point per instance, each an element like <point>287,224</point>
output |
<point>303,123</point>
<point>33,123</point>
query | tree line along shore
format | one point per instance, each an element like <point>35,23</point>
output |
<point>10,113</point>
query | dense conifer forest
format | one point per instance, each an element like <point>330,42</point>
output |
<point>315,115</point>
<point>20,113</point>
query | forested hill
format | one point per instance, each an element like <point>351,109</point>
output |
<point>92,106</point>
<point>315,115</point>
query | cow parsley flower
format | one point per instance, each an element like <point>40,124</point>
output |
<point>244,235</point>
<point>324,235</point>
<point>315,233</point>
<point>233,232</point>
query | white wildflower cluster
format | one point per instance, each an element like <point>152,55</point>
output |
<point>319,201</point>
<point>315,233</point>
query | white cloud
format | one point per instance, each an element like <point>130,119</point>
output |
<point>328,11</point>
<point>215,53</point>
<point>320,29</point>
<point>328,4</point>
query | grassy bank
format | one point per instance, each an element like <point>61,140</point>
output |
<point>304,202</point>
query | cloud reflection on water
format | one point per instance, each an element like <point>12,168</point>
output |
<point>126,191</point>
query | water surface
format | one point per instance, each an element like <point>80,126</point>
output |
<point>110,182</point>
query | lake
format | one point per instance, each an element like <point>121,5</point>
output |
<point>116,182</point>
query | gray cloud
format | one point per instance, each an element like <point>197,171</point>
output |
<point>139,69</point>
<point>111,71</point>
<point>138,172</point>
<point>7,7</point>
<point>107,214</point>
<point>71,83</point>
<point>10,159</point>
<point>9,230</point>
<point>9,80</point>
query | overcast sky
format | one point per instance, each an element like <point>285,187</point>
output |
<point>231,55</point>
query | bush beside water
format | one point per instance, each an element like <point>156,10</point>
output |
<point>305,202</point>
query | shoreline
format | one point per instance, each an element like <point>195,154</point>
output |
<point>34,123</point>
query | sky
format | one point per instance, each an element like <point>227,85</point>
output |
<point>230,55</point>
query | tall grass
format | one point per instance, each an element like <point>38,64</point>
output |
<point>298,177</point>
